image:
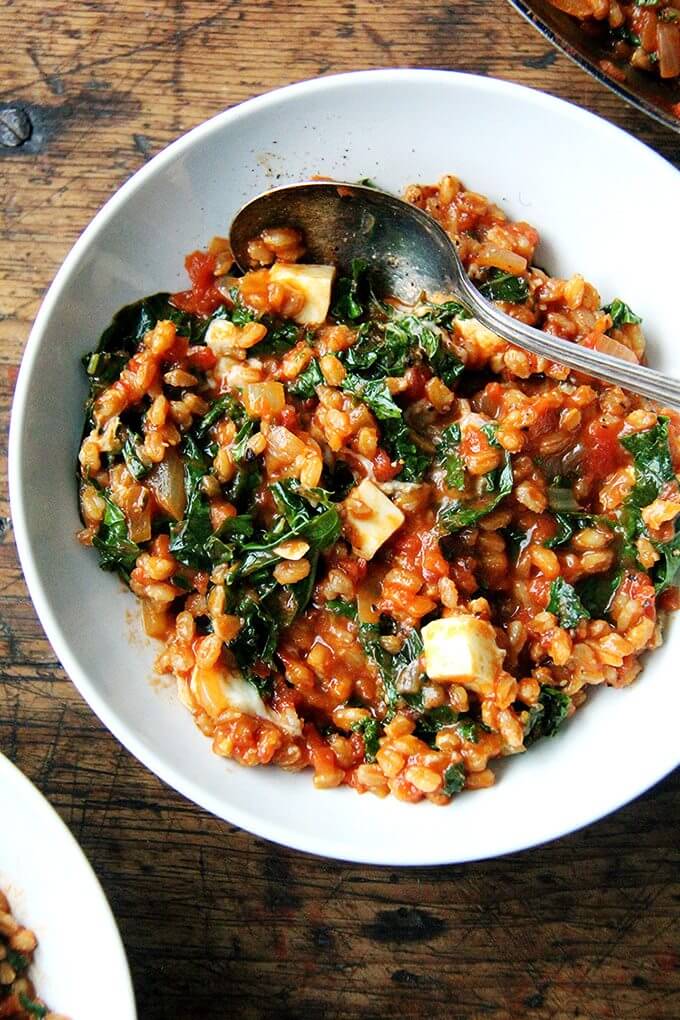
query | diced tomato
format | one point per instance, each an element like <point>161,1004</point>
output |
<point>639,587</point>
<point>416,377</point>
<point>540,591</point>
<point>434,566</point>
<point>383,468</point>
<point>203,297</point>
<point>200,581</point>
<point>178,351</point>
<point>289,417</point>
<point>602,451</point>
<point>201,358</point>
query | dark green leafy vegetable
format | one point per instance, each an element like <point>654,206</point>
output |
<point>547,716</point>
<point>565,604</point>
<point>652,458</point>
<point>17,961</point>
<point>390,665</point>
<point>378,351</point>
<point>620,312</point>
<point>351,296</point>
<point>370,730</point>
<point>257,640</point>
<point>307,381</point>
<point>340,608</point>
<point>502,286</point>
<point>448,454</point>
<point>116,550</point>
<point>666,570</point>
<point>32,1007</point>
<point>188,538</point>
<point>456,515</point>
<point>444,314</point>
<point>467,730</point>
<point>596,593</point>
<point>430,722</point>
<point>561,497</point>
<point>281,336</point>
<point>375,394</point>
<point>135,465</point>
<point>402,447</point>
<point>454,780</point>
<point>223,405</point>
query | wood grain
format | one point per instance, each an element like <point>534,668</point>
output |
<point>216,922</point>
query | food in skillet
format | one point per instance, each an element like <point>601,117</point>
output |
<point>376,540</point>
<point>18,999</point>
<point>646,33</point>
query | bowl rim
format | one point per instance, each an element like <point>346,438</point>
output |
<point>40,806</point>
<point>251,821</point>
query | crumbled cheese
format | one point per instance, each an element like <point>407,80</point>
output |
<point>377,520</point>
<point>315,282</point>
<point>462,649</point>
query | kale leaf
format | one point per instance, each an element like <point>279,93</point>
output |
<point>666,570</point>
<point>445,313</point>
<point>502,286</point>
<point>189,537</point>
<point>546,717</point>
<point>565,604</point>
<point>116,550</point>
<point>390,666</point>
<point>652,458</point>
<point>375,394</point>
<point>448,454</point>
<point>620,313</point>
<point>304,386</point>
<point>454,780</point>
<point>456,515</point>
<point>596,593</point>
<point>430,723</point>
<point>351,297</point>
<point>369,728</point>
<point>402,447</point>
<point>135,465</point>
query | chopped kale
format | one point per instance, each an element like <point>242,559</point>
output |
<point>135,465</point>
<point>596,593</point>
<point>498,483</point>
<point>341,608</point>
<point>445,313</point>
<point>402,447</point>
<point>116,550</point>
<point>188,538</point>
<point>351,296</point>
<point>652,458</point>
<point>281,336</point>
<point>369,728</point>
<point>32,1007</point>
<point>666,570</point>
<point>390,665</point>
<point>17,961</point>
<point>620,313</point>
<point>375,394</point>
<point>307,381</point>
<point>454,780</point>
<point>430,722</point>
<point>546,717</point>
<point>223,405</point>
<point>448,454</point>
<point>565,604</point>
<point>502,286</point>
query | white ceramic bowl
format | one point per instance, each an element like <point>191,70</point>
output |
<point>79,967</point>
<point>606,206</point>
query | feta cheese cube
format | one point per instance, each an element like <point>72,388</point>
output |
<point>462,649</point>
<point>315,282</point>
<point>370,518</point>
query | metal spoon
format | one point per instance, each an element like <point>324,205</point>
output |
<point>408,254</point>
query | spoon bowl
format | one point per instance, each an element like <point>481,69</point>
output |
<point>409,254</point>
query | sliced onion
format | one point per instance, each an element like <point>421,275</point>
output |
<point>139,520</point>
<point>577,8</point>
<point>154,619</point>
<point>668,36</point>
<point>503,259</point>
<point>607,345</point>
<point>166,480</point>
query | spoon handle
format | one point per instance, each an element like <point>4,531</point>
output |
<point>646,382</point>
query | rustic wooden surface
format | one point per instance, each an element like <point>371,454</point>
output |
<point>216,922</point>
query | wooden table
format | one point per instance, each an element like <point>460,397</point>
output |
<point>218,923</point>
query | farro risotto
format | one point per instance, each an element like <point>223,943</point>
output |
<point>377,540</point>
<point>645,33</point>
<point>18,999</point>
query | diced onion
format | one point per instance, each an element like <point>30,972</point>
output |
<point>264,399</point>
<point>607,345</point>
<point>167,483</point>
